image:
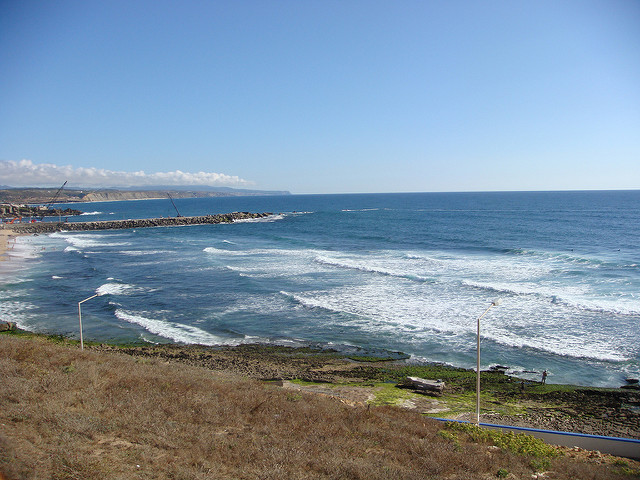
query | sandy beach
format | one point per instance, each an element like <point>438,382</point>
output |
<point>6,236</point>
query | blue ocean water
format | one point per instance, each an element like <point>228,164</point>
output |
<point>405,272</point>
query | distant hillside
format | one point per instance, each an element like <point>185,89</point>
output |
<point>46,195</point>
<point>205,188</point>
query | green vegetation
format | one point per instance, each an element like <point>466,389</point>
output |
<point>458,403</point>
<point>388,394</point>
<point>54,338</point>
<point>451,437</point>
<point>369,358</point>
<point>518,443</point>
<point>307,383</point>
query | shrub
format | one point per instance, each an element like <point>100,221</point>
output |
<point>519,443</point>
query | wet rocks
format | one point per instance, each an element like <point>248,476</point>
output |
<point>7,326</point>
<point>423,385</point>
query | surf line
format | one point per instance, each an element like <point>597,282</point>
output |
<point>50,227</point>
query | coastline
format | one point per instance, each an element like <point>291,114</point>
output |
<point>369,380</point>
<point>97,414</point>
<point>6,235</point>
<point>362,381</point>
<point>408,299</point>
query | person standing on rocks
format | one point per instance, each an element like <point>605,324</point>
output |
<point>544,377</point>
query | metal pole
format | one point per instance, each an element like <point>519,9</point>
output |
<point>80,320</point>
<point>493,304</point>
<point>80,316</point>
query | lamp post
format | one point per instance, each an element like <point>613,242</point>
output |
<point>80,316</point>
<point>495,303</point>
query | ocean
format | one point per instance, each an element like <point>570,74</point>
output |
<point>362,272</point>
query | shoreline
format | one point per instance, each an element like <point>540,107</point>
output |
<point>9,238</point>
<point>97,414</point>
<point>6,235</point>
<point>356,380</point>
<point>616,413</point>
<point>4,240</point>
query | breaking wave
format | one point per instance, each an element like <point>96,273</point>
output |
<point>175,331</point>
<point>353,265</point>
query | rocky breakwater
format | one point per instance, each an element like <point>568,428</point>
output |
<point>50,227</point>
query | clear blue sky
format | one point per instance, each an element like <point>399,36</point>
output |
<point>322,96</point>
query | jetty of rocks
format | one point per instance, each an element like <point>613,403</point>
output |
<point>50,227</point>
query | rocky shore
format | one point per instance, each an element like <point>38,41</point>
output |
<point>596,411</point>
<point>355,381</point>
<point>50,227</point>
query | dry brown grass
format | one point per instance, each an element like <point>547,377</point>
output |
<point>67,414</point>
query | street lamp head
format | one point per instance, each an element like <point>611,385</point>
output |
<point>496,302</point>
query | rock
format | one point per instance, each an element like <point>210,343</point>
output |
<point>631,387</point>
<point>498,369</point>
<point>424,385</point>
<point>50,227</point>
<point>7,326</point>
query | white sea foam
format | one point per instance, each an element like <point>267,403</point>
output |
<point>528,288</point>
<point>250,272</point>
<point>576,296</point>
<point>445,314</point>
<point>56,277</point>
<point>22,248</point>
<point>84,240</point>
<point>174,331</point>
<point>137,253</point>
<point>368,266</point>
<point>220,251</point>
<point>269,219</point>
<point>311,302</point>
<point>91,213</point>
<point>117,289</point>
<point>17,312</point>
<point>578,345</point>
<point>253,251</point>
<point>621,305</point>
<point>442,312</point>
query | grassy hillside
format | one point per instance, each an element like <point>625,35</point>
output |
<point>71,414</point>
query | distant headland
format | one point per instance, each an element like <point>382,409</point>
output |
<point>9,195</point>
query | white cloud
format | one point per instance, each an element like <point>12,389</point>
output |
<point>27,173</point>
